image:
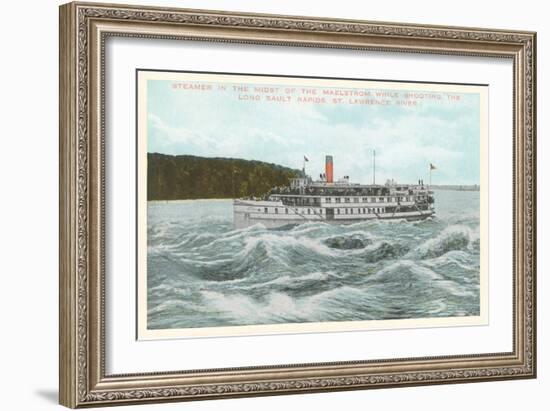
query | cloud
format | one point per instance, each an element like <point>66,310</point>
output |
<point>171,134</point>
<point>406,139</point>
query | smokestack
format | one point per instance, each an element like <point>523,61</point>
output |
<point>329,169</point>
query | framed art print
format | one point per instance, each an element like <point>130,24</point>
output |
<point>257,204</point>
<point>237,236</point>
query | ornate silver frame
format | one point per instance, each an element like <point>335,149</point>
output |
<point>83,30</point>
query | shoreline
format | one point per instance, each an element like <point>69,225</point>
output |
<point>187,200</point>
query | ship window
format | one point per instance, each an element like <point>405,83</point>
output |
<point>351,210</point>
<point>381,199</point>
<point>320,211</point>
<point>346,210</point>
<point>346,200</point>
<point>337,211</point>
<point>328,200</point>
<point>338,200</point>
<point>286,210</point>
<point>365,199</point>
<point>309,210</point>
<point>356,200</point>
<point>265,210</point>
<point>364,211</point>
<point>276,211</point>
<point>370,210</point>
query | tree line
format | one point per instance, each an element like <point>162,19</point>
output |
<point>185,177</point>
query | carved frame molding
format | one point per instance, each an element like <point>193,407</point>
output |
<point>84,27</point>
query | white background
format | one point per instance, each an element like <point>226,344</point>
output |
<point>28,221</point>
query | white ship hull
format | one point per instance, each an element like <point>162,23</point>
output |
<point>273,214</point>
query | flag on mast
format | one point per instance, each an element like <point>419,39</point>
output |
<point>306,159</point>
<point>432,167</point>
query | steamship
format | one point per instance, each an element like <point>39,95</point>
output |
<point>335,202</point>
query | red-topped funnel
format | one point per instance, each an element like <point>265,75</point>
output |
<point>329,171</point>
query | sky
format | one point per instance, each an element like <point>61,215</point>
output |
<point>222,123</point>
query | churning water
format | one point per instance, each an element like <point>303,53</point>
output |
<point>204,273</point>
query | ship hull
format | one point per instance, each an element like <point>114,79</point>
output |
<point>250,212</point>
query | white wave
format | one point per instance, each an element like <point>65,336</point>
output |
<point>275,243</point>
<point>345,293</point>
<point>166,305</point>
<point>404,266</point>
<point>244,308</point>
<point>459,258</point>
<point>190,240</point>
<point>310,227</point>
<point>453,237</point>
<point>422,276</point>
<point>161,287</point>
<point>278,306</point>
<point>207,262</point>
<point>438,306</point>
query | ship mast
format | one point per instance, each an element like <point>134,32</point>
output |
<point>373,167</point>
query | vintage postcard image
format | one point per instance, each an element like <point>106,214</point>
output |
<point>277,204</point>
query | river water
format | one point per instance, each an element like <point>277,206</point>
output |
<point>204,273</point>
